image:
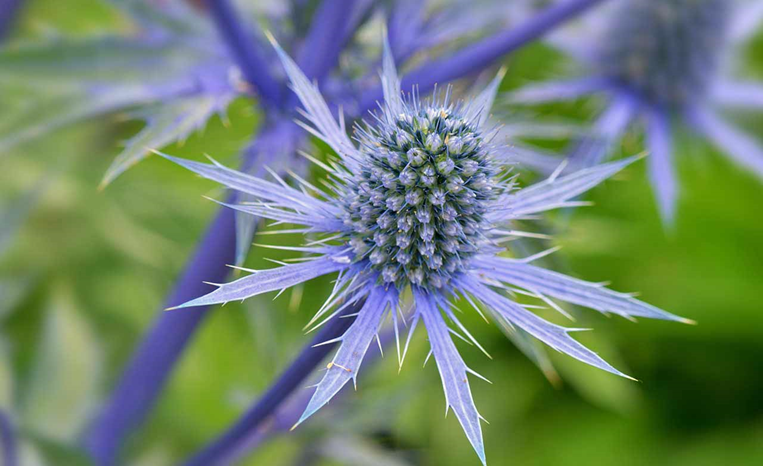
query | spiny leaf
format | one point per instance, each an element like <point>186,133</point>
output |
<point>554,193</point>
<point>167,123</point>
<point>453,372</point>
<point>354,344</point>
<point>553,335</point>
<point>66,373</point>
<point>573,290</point>
<point>268,280</point>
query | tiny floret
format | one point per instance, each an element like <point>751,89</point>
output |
<point>420,189</point>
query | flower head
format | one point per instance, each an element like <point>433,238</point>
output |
<point>667,50</point>
<point>417,205</point>
<point>666,60</point>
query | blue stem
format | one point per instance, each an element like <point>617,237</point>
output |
<point>154,359</point>
<point>326,38</point>
<point>219,452</point>
<point>8,440</point>
<point>242,46</point>
<point>477,56</point>
<point>160,349</point>
<point>404,28</point>
<point>250,432</point>
<point>9,10</point>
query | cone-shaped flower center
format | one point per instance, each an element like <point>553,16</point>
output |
<point>416,208</point>
<point>666,49</point>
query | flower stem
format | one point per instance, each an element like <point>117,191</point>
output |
<point>9,10</point>
<point>152,363</point>
<point>285,416</point>
<point>244,49</point>
<point>326,38</point>
<point>154,359</point>
<point>481,54</point>
<point>8,440</point>
<point>224,449</point>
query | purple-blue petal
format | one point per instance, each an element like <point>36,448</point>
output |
<point>354,345</point>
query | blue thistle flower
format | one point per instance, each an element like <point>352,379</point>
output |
<point>417,205</point>
<point>332,24</point>
<point>665,60</point>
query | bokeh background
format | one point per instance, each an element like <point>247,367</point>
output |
<point>83,271</point>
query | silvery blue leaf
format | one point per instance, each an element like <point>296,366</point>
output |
<point>317,112</point>
<point>555,192</point>
<point>166,124</point>
<point>480,106</point>
<point>661,170</point>
<point>556,91</point>
<point>553,335</point>
<point>69,106</point>
<point>354,344</point>
<point>529,346</point>
<point>742,95</point>
<point>453,371</point>
<point>393,97</point>
<point>745,150</point>
<point>565,288</point>
<point>283,196</point>
<point>269,280</point>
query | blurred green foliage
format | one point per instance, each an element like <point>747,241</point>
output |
<point>83,273</point>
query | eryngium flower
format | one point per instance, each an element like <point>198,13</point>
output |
<point>417,205</point>
<point>667,60</point>
<point>667,50</point>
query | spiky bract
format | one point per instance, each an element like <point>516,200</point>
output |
<point>663,62</point>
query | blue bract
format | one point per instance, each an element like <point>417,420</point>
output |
<point>666,60</point>
<point>418,205</point>
<point>669,50</point>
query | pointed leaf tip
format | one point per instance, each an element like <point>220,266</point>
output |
<point>355,343</point>
<point>271,38</point>
<point>453,372</point>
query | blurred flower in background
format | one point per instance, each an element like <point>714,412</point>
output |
<point>666,61</point>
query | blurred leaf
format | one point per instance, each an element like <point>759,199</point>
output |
<point>177,16</point>
<point>139,243</point>
<point>353,450</point>
<point>54,452</point>
<point>175,54</point>
<point>165,124</point>
<point>156,455</point>
<point>12,291</point>
<point>111,59</point>
<point>29,455</point>
<point>6,380</point>
<point>13,216</point>
<point>52,112</point>
<point>172,38</point>
<point>65,376</point>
